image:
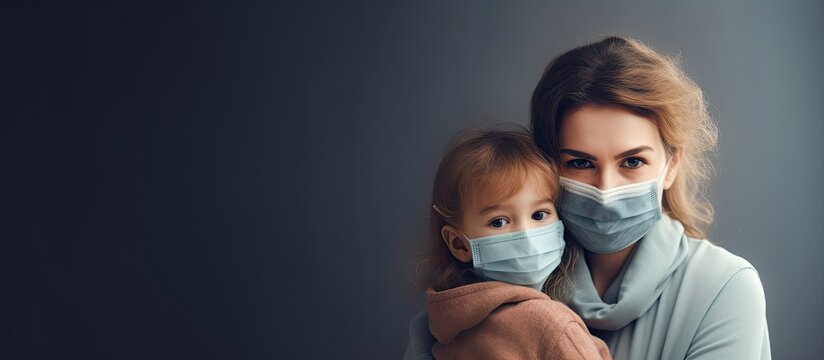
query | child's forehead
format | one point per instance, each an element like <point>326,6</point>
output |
<point>497,190</point>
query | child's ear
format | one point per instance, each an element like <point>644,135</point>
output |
<point>458,246</point>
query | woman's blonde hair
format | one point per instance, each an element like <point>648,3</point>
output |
<point>491,165</point>
<point>624,72</point>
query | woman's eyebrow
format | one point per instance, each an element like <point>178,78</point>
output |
<point>624,154</point>
<point>579,154</point>
<point>634,151</point>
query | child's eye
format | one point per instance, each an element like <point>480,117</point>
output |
<point>498,223</point>
<point>579,164</point>
<point>633,163</point>
<point>540,215</point>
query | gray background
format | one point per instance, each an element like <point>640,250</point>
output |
<point>249,181</point>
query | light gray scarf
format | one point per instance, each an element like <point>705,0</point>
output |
<point>638,285</point>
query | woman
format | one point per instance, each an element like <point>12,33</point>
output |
<point>630,133</point>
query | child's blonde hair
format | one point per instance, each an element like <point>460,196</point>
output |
<point>492,164</point>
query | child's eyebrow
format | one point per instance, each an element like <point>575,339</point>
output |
<point>494,207</point>
<point>490,208</point>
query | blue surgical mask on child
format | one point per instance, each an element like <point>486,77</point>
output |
<point>607,221</point>
<point>524,257</point>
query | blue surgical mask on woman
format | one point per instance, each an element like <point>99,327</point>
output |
<point>608,221</point>
<point>524,257</point>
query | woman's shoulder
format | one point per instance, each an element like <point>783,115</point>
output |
<point>724,292</point>
<point>705,256</point>
<point>727,291</point>
<point>717,271</point>
<point>712,275</point>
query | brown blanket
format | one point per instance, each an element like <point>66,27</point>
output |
<point>495,320</point>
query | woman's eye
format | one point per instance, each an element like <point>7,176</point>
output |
<point>633,163</point>
<point>540,215</point>
<point>498,223</point>
<point>579,164</point>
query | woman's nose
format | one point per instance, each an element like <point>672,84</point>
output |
<point>605,180</point>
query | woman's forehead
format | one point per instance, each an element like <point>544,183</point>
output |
<point>607,130</point>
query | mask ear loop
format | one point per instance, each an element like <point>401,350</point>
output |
<point>435,207</point>
<point>660,183</point>
<point>666,168</point>
<point>663,174</point>
<point>439,211</point>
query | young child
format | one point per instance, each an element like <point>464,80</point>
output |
<point>497,244</point>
